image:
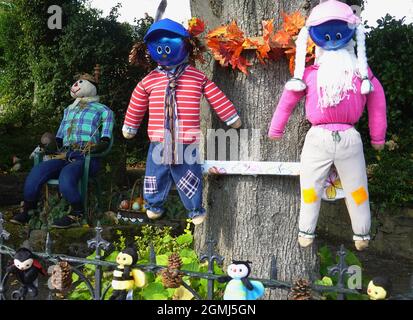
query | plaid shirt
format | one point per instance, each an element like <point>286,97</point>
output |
<point>81,125</point>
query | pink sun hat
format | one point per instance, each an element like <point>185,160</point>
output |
<point>332,10</point>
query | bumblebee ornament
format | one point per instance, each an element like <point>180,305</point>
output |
<point>124,277</point>
<point>239,287</point>
<point>26,268</point>
<point>379,288</point>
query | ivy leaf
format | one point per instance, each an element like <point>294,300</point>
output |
<point>155,291</point>
<point>182,293</point>
<point>162,260</point>
<point>188,253</point>
<point>112,256</point>
<point>352,260</point>
<point>326,281</point>
<point>190,265</point>
<point>184,239</point>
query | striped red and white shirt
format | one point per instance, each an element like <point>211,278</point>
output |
<point>150,93</point>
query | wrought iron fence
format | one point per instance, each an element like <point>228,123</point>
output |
<point>100,245</point>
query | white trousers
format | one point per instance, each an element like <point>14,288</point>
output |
<point>344,149</point>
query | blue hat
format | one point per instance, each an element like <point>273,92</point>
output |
<point>167,25</point>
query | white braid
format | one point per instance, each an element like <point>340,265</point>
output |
<point>366,86</point>
<point>296,83</point>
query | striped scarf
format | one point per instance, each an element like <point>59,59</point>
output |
<point>171,128</point>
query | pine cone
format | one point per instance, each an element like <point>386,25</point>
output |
<point>171,278</point>
<point>61,278</point>
<point>174,261</point>
<point>301,290</point>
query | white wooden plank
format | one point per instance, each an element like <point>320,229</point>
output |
<point>256,168</point>
<point>251,168</point>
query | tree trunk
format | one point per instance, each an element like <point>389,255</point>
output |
<point>256,218</point>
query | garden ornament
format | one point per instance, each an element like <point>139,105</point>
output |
<point>379,288</point>
<point>26,267</point>
<point>239,287</point>
<point>337,88</point>
<point>86,128</point>
<point>125,277</point>
<point>172,93</point>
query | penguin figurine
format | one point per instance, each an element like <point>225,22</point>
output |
<point>124,277</point>
<point>26,268</point>
<point>239,287</point>
<point>379,288</point>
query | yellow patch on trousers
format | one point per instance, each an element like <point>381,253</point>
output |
<point>309,195</point>
<point>360,195</point>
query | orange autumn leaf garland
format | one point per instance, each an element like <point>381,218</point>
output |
<point>226,46</point>
<point>293,22</point>
<point>227,43</point>
<point>196,26</point>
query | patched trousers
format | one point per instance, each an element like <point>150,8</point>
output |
<point>344,149</point>
<point>187,177</point>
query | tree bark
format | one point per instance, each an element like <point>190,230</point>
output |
<point>256,218</point>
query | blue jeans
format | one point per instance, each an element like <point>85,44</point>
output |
<point>187,177</point>
<point>68,173</point>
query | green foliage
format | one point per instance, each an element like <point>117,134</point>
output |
<point>81,292</point>
<point>160,238</point>
<point>327,260</point>
<point>390,50</point>
<point>174,208</point>
<point>164,244</point>
<point>38,65</point>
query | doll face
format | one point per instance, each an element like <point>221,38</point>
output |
<point>376,292</point>
<point>332,35</point>
<point>124,259</point>
<point>237,271</point>
<point>23,265</point>
<point>82,89</point>
<point>168,50</point>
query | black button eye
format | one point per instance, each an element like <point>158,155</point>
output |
<point>339,36</point>
<point>81,81</point>
<point>327,37</point>
<point>159,50</point>
<point>167,50</point>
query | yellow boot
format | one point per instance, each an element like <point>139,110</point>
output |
<point>361,244</point>
<point>305,242</point>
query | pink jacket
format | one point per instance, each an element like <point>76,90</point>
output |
<point>338,118</point>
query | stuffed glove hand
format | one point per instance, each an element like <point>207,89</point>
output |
<point>128,132</point>
<point>275,138</point>
<point>237,124</point>
<point>377,147</point>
